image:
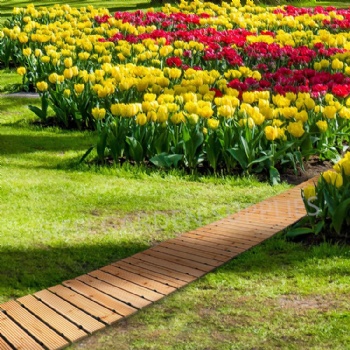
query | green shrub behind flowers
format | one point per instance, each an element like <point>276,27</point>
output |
<point>328,203</point>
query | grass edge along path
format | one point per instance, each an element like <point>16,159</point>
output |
<point>63,314</point>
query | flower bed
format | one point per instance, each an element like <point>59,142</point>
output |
<point>231,86</point>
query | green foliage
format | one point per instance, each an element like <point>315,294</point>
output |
<point>327,204</point>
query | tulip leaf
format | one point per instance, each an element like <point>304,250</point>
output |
<point>240,156</point>
<point>40,113</point>
<point>135,149</point>
<point>341,214</point>
<point>165,160</point>
<point>275,178</point>
<point>298,232</point>
<point>101,145</point>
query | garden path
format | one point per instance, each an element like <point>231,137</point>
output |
<point>55,317</point>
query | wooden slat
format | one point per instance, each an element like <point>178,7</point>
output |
<point>193,250</point>
<point>120,296</point>
<point>233,251</point>
<point>150,274</point>
<point>39,330</point>
<point>78,317</point>
<point>130,287</point>
<point>179,276</point>
<point>240,235</point>
<point>16,336</point>
<point>3,344</point>
<point>246,224</point>
<point>202,246</point>
<point>91,307</point>
<point>178,252</point>
<point>174,265</point>
<point>56,321</point>
<point>183,261</point>
<point>139,280</point>
<point>218,240</point>
<point>264,225</point>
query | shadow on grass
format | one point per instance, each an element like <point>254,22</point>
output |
<point>24,271</point>
<point>17,144</point>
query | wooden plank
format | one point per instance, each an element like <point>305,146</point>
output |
<point>39,330</point>
<point>268,220</point>
<point>143,271</point>
<point>15,336</point>
<point>219,240</point>
<point>242,234</point>
<point>202,246</point>
<point>54,320</point>
<point>158,287</point>
<point>91,307</point>
<point>234,251</point>
<point>178,252</point>
<point>246,224</point>
<point>3,344</point>
<point>243,239</point>
<point>120,296</point>
<point>191,249</point>
<point>164,267</point>
<point>185,260</point>
<point>75,315</point>
<point>130,287</point>
<point>175,264</point>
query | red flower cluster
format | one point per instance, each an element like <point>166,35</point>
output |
<point>332,25</point>
<point>159,19</point>
<point>305,80</point>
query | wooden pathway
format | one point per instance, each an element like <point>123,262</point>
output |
<point>55,317</point>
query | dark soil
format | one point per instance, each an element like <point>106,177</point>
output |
<point>313,167</point>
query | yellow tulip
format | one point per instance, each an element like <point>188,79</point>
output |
<point>68,73</point>
<point>213,123</point>
<point>68,62</point>
<point>21,70</point>
<point>66,93</point>
<point>271,132</point>
<point>79,88</point>
<point>296,129</point>
<point>177,118</point>
<point>141,119</point>
<point>330,112</point>
<point>333,178</point>
<point>322,125</point>
<point>42,86</point>
<point>27,51</point>
<point>98,113</point>
<point>309,192</point>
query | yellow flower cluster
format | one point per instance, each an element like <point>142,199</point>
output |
<point>343,166</point>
